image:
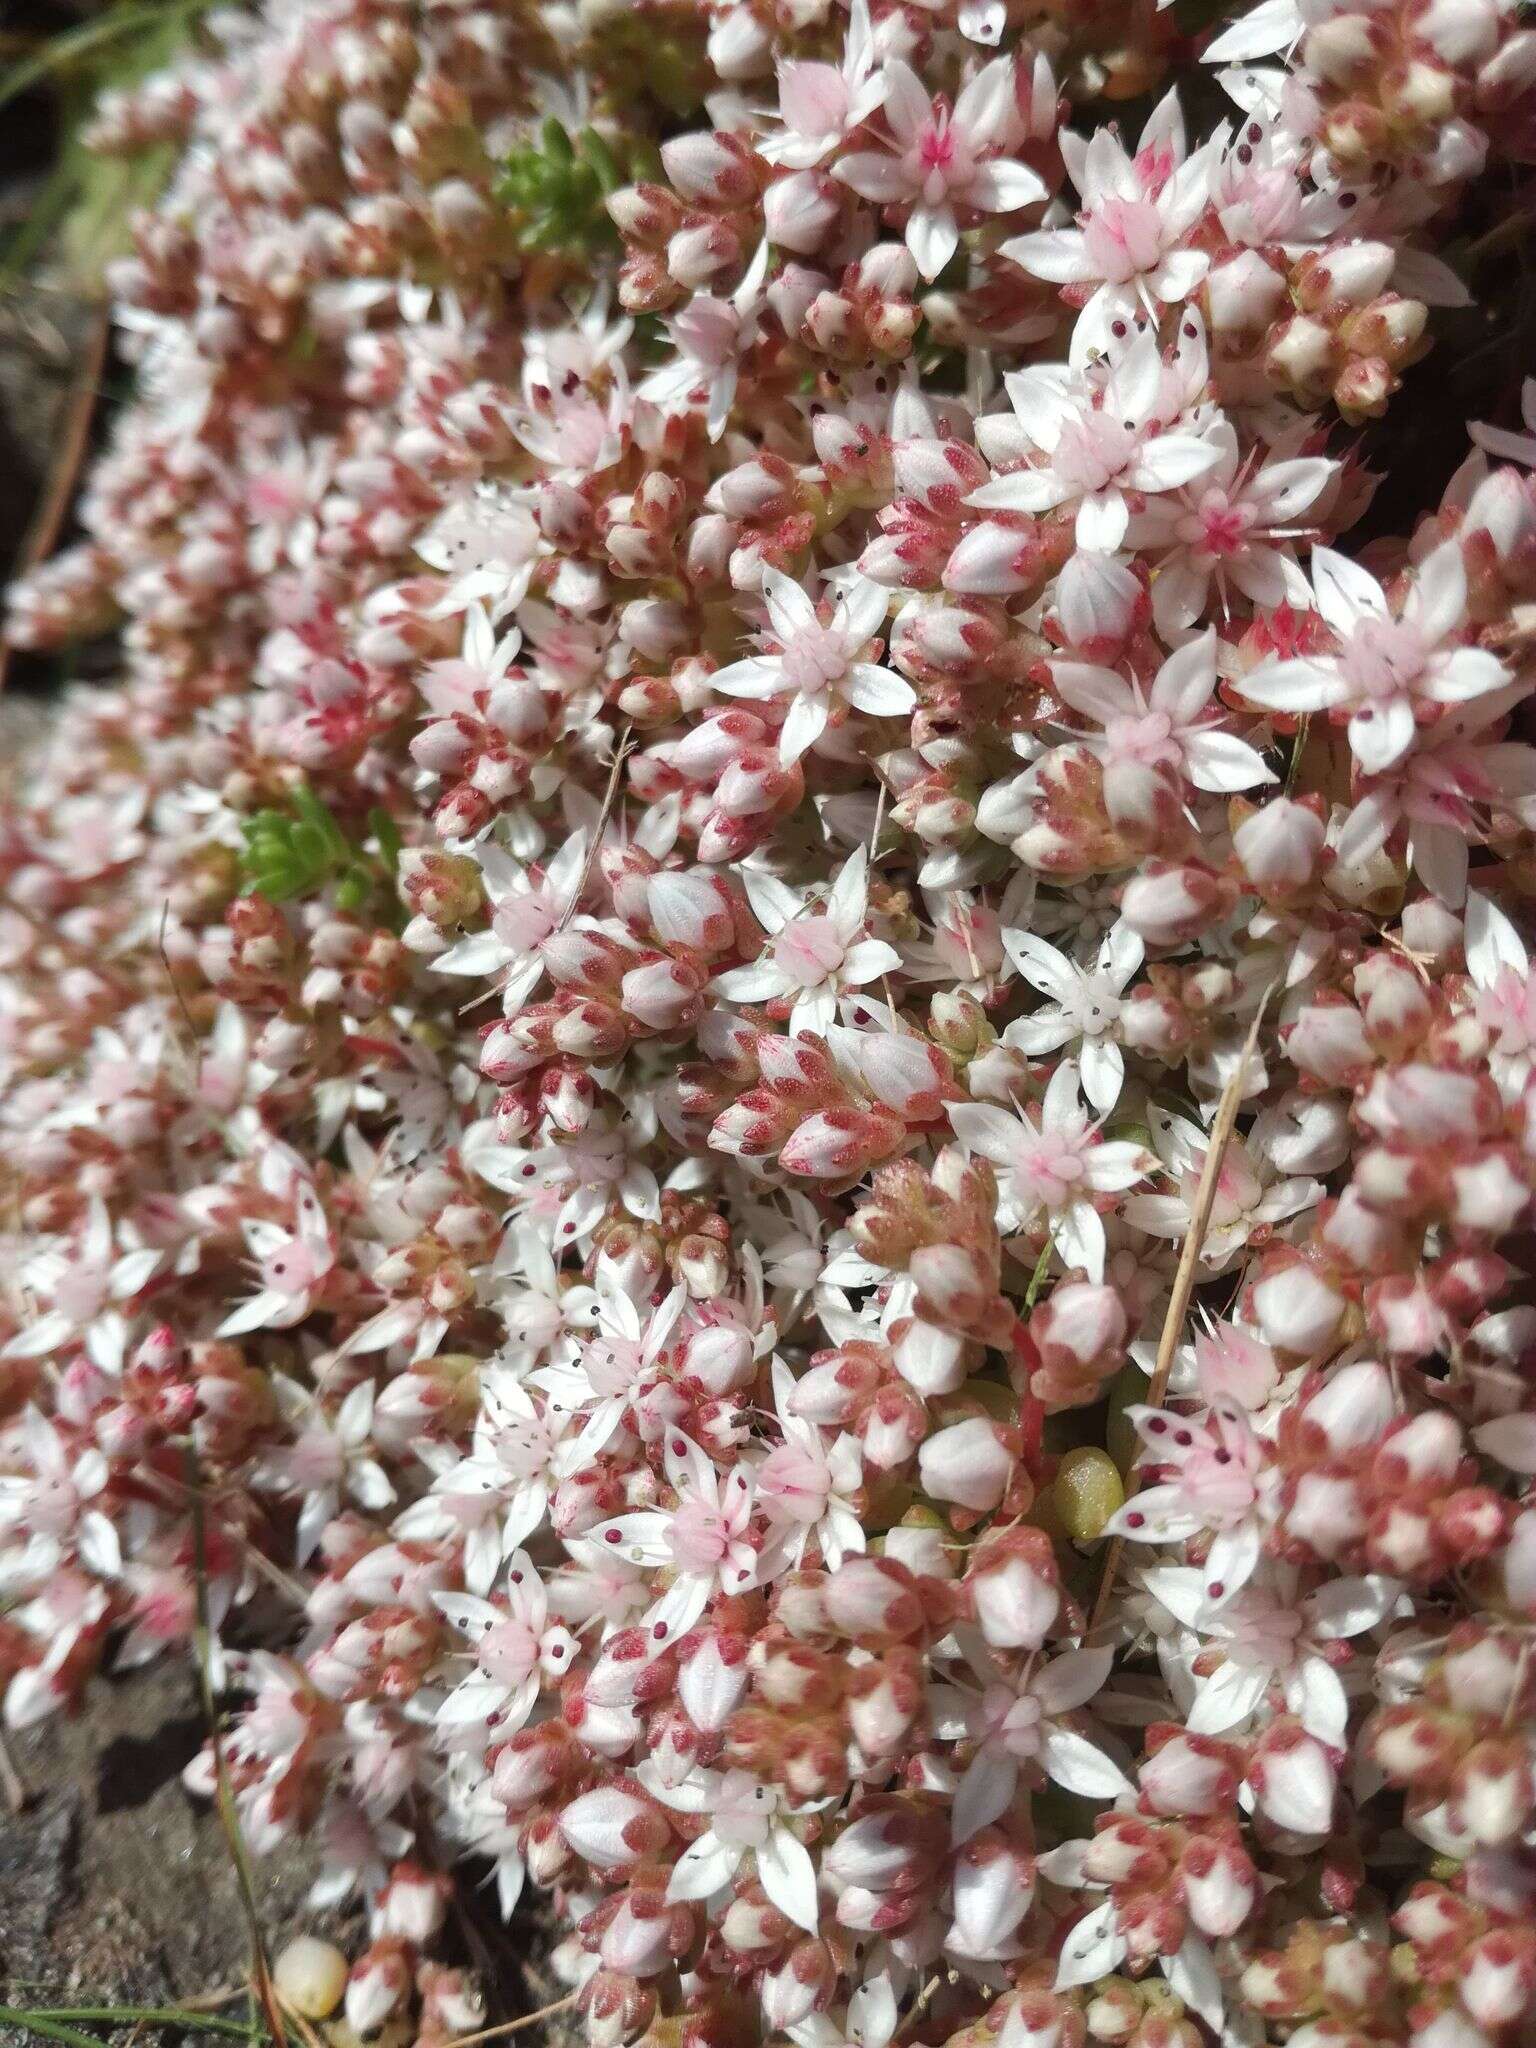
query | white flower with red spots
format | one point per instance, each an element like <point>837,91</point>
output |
<point>1220,1480</point>
<point>705,1540</point>
<point>1130,246</point>
<point>517,1650</point>
<point>1096,449</point>
<point>530,905</point>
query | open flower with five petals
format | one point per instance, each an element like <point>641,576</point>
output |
<point>1052,1162</point>
<point>1395,666</point>
<point>817,666</point>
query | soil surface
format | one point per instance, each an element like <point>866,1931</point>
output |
<point>115,1885</point>
<point>117,1888</point>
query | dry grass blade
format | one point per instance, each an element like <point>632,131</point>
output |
<point>605,812</point>
<point>224,1801</point>
<point>74,442</point>
<point>1184,1276</point>
<point>517,2026</point>
<point>10,1780</point>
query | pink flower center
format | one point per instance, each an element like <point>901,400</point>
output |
<point>1221,526</point>
<point>1122,238</point>
<point>509,1652</point>
<point>1148,739</point>
<point>816,657</point>
<point>1052,1166</point>
<point>936,146</point>
<point>809,951</point>
<point>700,1537</point>
<point>1383,658</point>
<point>795,1483</point>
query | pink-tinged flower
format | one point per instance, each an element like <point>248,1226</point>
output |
<point>967,946</point>
<point>65,1616</point>
<point>294,1266</point>
<point>1249,1201</point>
<point>1170,726</point>
<point>1272,1635</point>
<point>1099,448</point>
<point>821,104</point>
<point>711,337</point>
<point>1234,529</point>
<point>529,906</point>
<point>49,1510</point>
<point>1053,1162</point>
<point>83,1282</point>
<point>496,1497</point>
<point>1442,792</point>
<point>1128,248</point>
<point>746,1818</point>
<point>621,1356</point>
<point>1392,671</point>
<point>1020,1722</point>
<point>488,546</point>
<point>330,1459</point>
<point>1233,1366</point>
<point>544,1311</point>
<point>704,1541</point>
<point>807,1487</point>
<point>1220,1480</point>
<point>1500,968</point>
<point>571,431</point>
<point>815,951</point>
<point>942,162</point>
<point>517,1649</point>
<point>818,666</point>
<point>1083,1012</point>
<point>570,1183</point>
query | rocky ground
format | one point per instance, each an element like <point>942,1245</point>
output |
<point>115,1886</point>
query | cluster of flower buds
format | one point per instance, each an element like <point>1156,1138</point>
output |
<point>779,1038</point>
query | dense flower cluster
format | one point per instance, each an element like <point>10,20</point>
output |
<point>757,795</point>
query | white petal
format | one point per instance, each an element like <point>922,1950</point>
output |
<point>1094,1948</point>
<point>788,1876</point>
<point>1074,1762</point>
<point>983,1793</point>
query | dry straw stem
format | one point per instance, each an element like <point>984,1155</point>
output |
<point>1184,1277</point>
<point>528,2019</point>
<point>74,444</point>
<point>224,1802</point>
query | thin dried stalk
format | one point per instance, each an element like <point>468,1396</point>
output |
<point>74,443</point>
<point>1184,1276</point>
<point>529,2019</point>
<point>224,1800</point>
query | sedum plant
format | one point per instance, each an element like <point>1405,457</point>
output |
<point>779,1039</point>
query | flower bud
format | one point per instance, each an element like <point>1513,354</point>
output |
<point>966,1463</point>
